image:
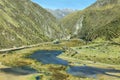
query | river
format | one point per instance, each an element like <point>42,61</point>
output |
<point>50,57</point>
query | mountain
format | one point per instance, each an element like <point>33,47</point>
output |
<point>100,20</point>
<point>60,13</point>
<point>103,3</point>
<point>23,22</point>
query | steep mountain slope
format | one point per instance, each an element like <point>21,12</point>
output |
<point>60,13</point>
<point>105,3</point>
<point>23,22</point>
<point>102,19</point>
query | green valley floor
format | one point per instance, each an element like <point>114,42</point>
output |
<point>103,57</point>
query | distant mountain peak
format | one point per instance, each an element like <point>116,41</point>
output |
<point>60,13</point>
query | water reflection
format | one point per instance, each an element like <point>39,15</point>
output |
<point>49,57</point>
<point>24,70</point>
<point>87,71</point>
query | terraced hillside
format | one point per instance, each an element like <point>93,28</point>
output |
<point>23,22</point>
<point>100,20</point>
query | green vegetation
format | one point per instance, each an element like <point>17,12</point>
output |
<point>103,3</point>
<point>97,52</point>
<point>95,22</point>
<point>94,54</point>
<point>23,22</point>
<point>49,71</point>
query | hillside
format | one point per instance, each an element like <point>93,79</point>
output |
<point>23,22</point>
<point>105,3</point>
<point>100,20</point>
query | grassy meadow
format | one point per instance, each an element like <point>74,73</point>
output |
<point>77,53</point>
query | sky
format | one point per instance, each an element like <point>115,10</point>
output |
<point>62,4</point>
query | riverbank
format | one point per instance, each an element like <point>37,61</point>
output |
<point>52,71</point>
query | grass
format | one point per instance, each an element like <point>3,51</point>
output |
<point>97,52</point>
<point>20,26</point>
<point>97,22</point>
<point>20,58</point>
<point>53,72</point>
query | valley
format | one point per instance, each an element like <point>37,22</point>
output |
<point>39,43</point>
<point>87,65</point>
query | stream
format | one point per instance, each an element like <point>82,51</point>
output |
<point>50,57</point>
